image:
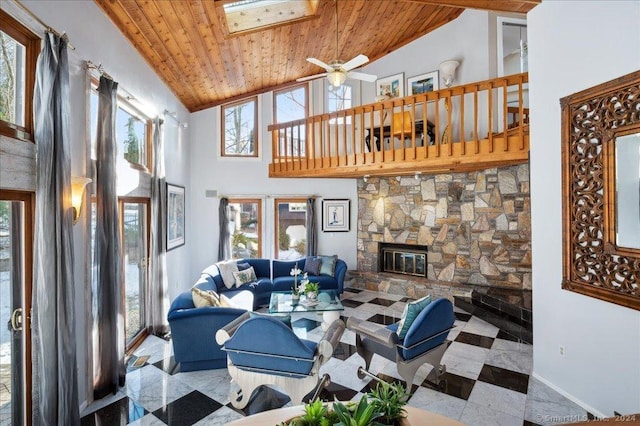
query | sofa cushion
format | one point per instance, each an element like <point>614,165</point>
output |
<point>410,313</point>
<point>312,265</point>
<point>203,298</point>
<point>328,265</point>
<point>245,276</point>
<point>227,268</point>
<point>243,266</point>
<point>282,268</point>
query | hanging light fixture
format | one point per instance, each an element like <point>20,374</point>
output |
<point>336,78</point>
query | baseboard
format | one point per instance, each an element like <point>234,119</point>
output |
<point>570,397</point>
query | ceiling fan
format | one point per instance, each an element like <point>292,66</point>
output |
<point>338,71</point>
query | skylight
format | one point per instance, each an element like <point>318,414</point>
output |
<point>252,15</point>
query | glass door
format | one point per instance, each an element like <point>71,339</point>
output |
<point>135,241</point>
<point>15,303</point>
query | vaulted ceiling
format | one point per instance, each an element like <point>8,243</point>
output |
<point>188,44</point>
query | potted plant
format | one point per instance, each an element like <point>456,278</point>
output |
<point>383,406</point>
<point>295,290</point>
<point>311,290</point>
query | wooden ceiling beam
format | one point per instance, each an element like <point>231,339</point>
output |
<point>516,6</point>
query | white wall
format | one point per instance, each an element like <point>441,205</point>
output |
<point>97,39</point>
<point>573,46</point>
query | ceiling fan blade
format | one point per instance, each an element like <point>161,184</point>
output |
<point>321,64</point>
<point>355,62</point>
<point>311,77</point>
<point>362,76</point>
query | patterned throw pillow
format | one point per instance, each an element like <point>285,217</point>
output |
<point>312,265</point>
<point>328,265</point>
<point>246,276</point>
<point>202,298</point>
<point>410,313</point>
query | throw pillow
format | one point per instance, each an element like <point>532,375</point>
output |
<point>410,313</point>
<point>328,265</point>
<point>312,265</point>
<point>225,302</point>
<point>285,318</point>
<point>246,276</point>
<point>227,268</point>
<point>202,298</point>
<point>244,265</point>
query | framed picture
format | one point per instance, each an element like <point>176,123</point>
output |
<point>423,83</point>
<point>392,86</point>
<point>175,216</point>
<point>336,215</point>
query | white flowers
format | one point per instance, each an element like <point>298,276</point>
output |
<point>295,271</point>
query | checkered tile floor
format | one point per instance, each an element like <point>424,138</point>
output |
<point>487,380</point>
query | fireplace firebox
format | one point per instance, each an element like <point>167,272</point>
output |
<point>407,259</point>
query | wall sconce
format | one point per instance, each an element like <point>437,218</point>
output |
<point>417,175</point>
<point>365,178</point>
<point>78,184</point>
<point>448,72</point>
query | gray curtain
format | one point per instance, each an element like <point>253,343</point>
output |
<point>109,368</point>
<point>157,303</point>
<point>55,385</point>
<point>224,242</point>
<point>312,228</point>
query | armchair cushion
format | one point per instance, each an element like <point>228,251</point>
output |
<point>410,313</point>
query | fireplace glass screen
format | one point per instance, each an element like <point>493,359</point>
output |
<point>403,259</point>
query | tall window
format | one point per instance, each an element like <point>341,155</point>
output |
<point>240,129</point>
<point>338,99</point>
<point>133,131</point>
<point>19,50</point>
<point>288,105</point>
<point>291,228</point>
<point>245,227</point>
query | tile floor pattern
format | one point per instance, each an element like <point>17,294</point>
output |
<point>487,381</point>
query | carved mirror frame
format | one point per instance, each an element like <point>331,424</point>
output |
<point>592,119</point>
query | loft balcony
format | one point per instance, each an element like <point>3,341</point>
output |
<point>463,128</point>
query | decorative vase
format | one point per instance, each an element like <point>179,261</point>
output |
<point>312,296</point>
<point>295,298</point>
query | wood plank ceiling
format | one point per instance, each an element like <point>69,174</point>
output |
<point>187,43</point>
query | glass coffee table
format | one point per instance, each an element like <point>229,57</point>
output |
<point>328,304</point>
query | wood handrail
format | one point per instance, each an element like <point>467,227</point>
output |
<point>485,117</point>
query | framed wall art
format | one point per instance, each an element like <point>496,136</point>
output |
<point>336,215</point>
<point>175,216</point>
<point>423,83</point>
<point>392,86</point>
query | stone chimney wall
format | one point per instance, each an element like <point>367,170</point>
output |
<point>477,225</point>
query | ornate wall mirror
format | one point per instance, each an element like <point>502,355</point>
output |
<point>601,191</point>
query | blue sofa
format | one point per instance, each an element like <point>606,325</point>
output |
<point>275,276</point>
<point>193,329</point>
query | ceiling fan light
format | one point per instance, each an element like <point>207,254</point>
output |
<point>336,78</point>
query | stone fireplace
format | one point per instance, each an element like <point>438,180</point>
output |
<point>475,226</point>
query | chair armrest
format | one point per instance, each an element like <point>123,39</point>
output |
<point>225,333</point>
<point>330,340</point>
<point>373,331</point>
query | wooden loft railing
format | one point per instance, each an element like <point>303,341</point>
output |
<point>462,128</point>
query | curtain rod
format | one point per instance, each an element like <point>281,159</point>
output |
<point>100,69</point>
<point>47,28</point>
<point>244,196</point>
<point>174,115</point>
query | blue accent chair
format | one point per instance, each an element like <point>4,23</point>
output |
<point>264,351</point>
<point>425,341</point>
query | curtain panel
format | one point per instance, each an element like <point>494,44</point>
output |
<point>312,227</point>
<point>55,385</point>
<point>157,302</point>
<point>109,367</point>
<point>224,242</point>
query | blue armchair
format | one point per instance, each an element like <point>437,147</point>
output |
<point>425,341</point>
<point>193,329</point>
<point>264,351</point>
